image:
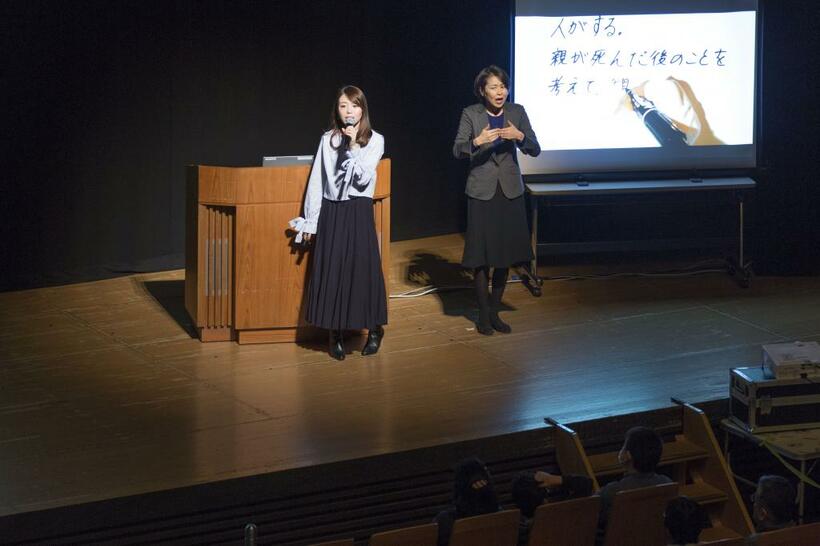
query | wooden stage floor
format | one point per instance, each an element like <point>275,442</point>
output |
<point>104,393</point>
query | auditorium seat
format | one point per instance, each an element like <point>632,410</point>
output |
<point>419,535</point>
<point>567,522</point>
<point>636,516</point>
<point>497,529</point>
<point>801,535</point>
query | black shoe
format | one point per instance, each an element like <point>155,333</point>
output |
<point>336,344</point>
<point>484,328</point>
<point>374,341</point>
<point>483,325</point>
<point>499,324</point>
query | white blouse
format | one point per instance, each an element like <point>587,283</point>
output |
<point>338,175</point>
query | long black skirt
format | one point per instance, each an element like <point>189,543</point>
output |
<point>497,233</point>
<point>346,289</point>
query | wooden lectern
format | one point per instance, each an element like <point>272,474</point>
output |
<point>244,277</point>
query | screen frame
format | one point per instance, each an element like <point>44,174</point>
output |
<point>588,7</point>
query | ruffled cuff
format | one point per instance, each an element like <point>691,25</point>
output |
<point>301,226</point>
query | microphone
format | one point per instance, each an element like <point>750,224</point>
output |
<point>350,121</point>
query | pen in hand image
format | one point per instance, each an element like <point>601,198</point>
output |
<point>662,128</point>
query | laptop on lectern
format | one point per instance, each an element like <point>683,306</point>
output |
<point>286,160</point>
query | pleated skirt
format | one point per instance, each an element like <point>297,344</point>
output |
<point>497,233</point>
<point>346,287</point>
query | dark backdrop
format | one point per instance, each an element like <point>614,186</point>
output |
<point>105,102</point>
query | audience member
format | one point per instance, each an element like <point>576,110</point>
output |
<point>684,519</point>
<point>639,457</point>
<point>566,487</point>
<point>473,495</point>
<point>774,504</point>
<point>527,494</point>
<point>530,491</point>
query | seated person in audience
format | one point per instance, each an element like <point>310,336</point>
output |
<point>473,495</point>
<point>639,457</point>
<point>774,504</point>
<point>527,494</point>
<point>530,491</point>
<point>684,519</point>
<point>567,487</point>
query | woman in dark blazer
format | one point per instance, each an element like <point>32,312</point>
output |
<point>497,235</point>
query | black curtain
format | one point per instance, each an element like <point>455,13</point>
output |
<point>786,231</point>
<point>106,102</point>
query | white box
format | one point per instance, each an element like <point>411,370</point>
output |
<point>793,360</point>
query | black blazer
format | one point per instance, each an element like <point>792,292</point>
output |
<point>488,167</point>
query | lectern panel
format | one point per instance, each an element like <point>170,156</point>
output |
<point>271,273</point>
<point>216,266</point>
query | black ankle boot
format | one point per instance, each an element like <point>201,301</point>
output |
<point>498,324</point>
<point>374,341</point>
<point>336,344</point>
<point>484,326</point>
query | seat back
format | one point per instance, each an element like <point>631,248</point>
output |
<point>636,517</point>
<point>800,535</point>
<point>419,535</point>
<point>740,541</point>
<point>497,529</point>
<point>567,522</point>
<point>572,458</point>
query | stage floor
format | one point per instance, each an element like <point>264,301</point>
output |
<point>104,392</point>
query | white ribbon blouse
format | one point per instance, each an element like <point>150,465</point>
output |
<point>338,175</point>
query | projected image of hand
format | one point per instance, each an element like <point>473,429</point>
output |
<point>670,111</point>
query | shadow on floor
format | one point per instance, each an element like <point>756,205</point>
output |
<point>171,296</point>
<point>452,281</point>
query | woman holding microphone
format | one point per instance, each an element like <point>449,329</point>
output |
<point>346,289</point>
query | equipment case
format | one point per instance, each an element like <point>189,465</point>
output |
<point>760,403</point>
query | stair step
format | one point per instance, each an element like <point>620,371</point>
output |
<point>681,450</point>
<point>703,493</point>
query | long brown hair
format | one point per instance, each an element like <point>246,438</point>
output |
<point>356,96</point>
